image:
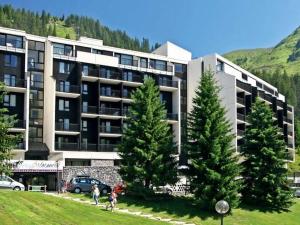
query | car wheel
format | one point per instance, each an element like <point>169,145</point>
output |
<point>17,189</point>
<point>77,190</point>
<point>104,192</point>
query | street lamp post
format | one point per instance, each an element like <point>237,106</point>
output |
<point>57,182</point>
<point>222,207</point>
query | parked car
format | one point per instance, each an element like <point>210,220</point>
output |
<point>297,193</point>
<point>84,184</point>
<point>9,183</point>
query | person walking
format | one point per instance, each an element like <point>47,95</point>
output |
<point>112,199</point>
<point>96,192</point>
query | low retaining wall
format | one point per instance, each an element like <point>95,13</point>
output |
<point>107,174</point>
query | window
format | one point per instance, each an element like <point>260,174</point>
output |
<point>64,67</point>
<point>85,107</point>
<point>152,63</point>
<point>84,125</point>
<point>127,75</point>
<point>144,63</point>
<point>14,41</point>
<point>258,84</point>
<point>244,76</point>
<point>178,68</point>
<point>160,65</point>
<point>10,80</point>
<point>84,89</point>
<point>68,50</point>
<point>126,60</point>
<point>63,105</point>
<point>85,70</point>
<point>59,49</point>
<point>84,143</point>
<point>64,86</point>
<point>9,100</point>
<point>220,66</point>
<point>11,60</point>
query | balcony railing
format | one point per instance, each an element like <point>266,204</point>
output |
<point>20,145</point>
<point>90,109</point>
<point>287,120</point>
<point>67,146</point>
<point>11,82</point>
<point>60,126</point>
<point>240,132</point>
<point>36,103</point>
<point>168,83</point>
<point>279,103</point>
<point>67,88</point>
<point>89,147</point>
<point>172,116</point>
<point>36,84</point>
<point>290,145</point>
<point>290,133</point>
<point>90,73</point>
<point>107,148</point>
<point>241,117</point>
<point>110,129</point>
<point>240,100</point>
<point>127,94</point>
<point>10,42</point>
<point>110,111</point>
<point>289,108</point>
<point>110,75</point>
<point>62,51</point>
<point>20,124</point>
<point>110,93</point>
<point>133,78</point>
<point>129,62</point>
<point>244,86</point>
<point>35,66</point>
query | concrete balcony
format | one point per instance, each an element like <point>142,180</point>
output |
<point>89,111</point>
<point>19,126</point>
<point>110,131</point>
<point>15,85</point>
<point>110,95</point>
<point>67,128</point>
<point>110,113</point>
<point>168,85</point>
<point>67,91</point>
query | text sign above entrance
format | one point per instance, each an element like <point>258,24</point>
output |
<point>36,166</point>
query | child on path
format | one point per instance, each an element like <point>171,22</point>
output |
<point>112,200</point>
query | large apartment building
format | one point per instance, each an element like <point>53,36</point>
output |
<point>71,97</point>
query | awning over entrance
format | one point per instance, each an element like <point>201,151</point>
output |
<point>37,166</point>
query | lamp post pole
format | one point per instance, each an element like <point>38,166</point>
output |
<point>57,182</point>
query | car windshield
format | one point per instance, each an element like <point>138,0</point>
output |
<point>4,178</point>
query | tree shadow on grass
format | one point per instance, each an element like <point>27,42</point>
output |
<point>263,209</point>
<point>175,206</point>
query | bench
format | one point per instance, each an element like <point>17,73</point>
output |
<point>37,188</point>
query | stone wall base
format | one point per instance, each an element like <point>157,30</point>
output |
<point>108,174</point>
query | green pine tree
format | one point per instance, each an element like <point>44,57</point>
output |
<point>213,165</point>
<point>265,178</point>
<point>54,31</point>
<point>147,148</point>
<point>7,140</point>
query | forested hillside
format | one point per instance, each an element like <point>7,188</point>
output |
<point>71,27</point>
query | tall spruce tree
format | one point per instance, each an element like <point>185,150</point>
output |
<point>147,148</point>
<point>264,172</point>
<point>7,141</point>
<point>213,165</point>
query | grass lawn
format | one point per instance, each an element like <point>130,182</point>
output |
<point>183,209</point>
<point>36,208</point>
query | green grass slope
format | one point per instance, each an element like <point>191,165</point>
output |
<point>36,208</point>
<point>285,55</point>
<point>184,209</point>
